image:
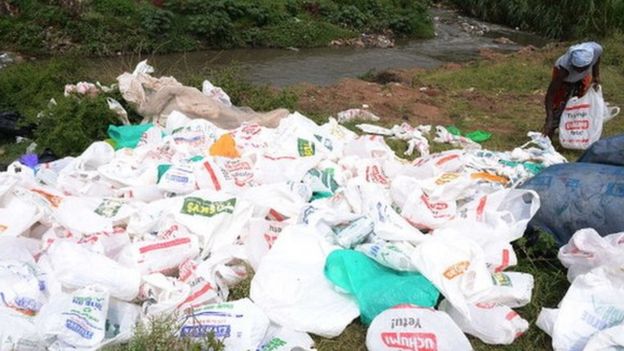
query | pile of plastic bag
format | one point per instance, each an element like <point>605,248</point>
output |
<point>591,314</point>
<point>334,225</point>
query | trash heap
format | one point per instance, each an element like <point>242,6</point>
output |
<point>591,315</point>
<point>333,224</point>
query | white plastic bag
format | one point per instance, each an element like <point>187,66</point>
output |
<point>512,289</point>
<point>582,119</point>
<point>217,218</point>
<point>162,295</point>
<point>587,250</point>
<point>408,327</point>
<point>17,215</point>
<point>240,324</point>
<point>280,338</point>
<point>592,304</point>
<point>22,286</point>
<point>456,267</point>
<point>18,332</point>
<point>291,288</point>
<point>499,216</point>
<point>77,319</point>
<point>395,255</point>
<point>160,256</point>
<point>611,339</point>
<point>75,267</point>
<point>546,320</point>
<point>121,320</point>
<point>492,323</point>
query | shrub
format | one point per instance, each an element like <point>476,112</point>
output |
<point>156,21</point>
<point>72,124</point>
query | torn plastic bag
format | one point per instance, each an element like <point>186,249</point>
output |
<point>77,319</point>
<point>377,288</point>
<point>406,327</point>
<point>224,268</point>
<point>76,267</point>
<point>492,323</point>
<point>290,287</point>
<point>162,295</point>
<point>240,324</point>
<point>576,196</point>
<point>216,93</point>
<point>587,250</point>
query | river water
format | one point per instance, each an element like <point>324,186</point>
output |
<point>324,66</point>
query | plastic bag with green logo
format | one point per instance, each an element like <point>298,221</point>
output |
<point>375,287</point>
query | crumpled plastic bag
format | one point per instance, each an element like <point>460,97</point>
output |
<point>76,267</point>
<point>289,286</point>
<point>592,304</point>
<point>375,287</point>
<point>492,323</point>
<point>587,250</point>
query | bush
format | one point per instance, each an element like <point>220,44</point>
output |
<point>552,18</point>
<point>72,124</point>
<point>351,17</point>
<point>216,28</point>
<point>156,21</point>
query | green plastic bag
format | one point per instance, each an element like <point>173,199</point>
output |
<point>377,288</point>
<point>127,136</point>
<point>478,136</point>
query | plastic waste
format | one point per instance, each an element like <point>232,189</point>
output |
<point>18,332</point>
<point>128,135</point>
<point>407,327</point>
<point>492,323</point>
<point>77,267</point>
<point>77,319</point>
<point>587,250</point>
<point>290,287</point>
<point>592,304</point>
<point>240,324</point>
<point>280,338</point>
<point>356,114</point>
<point>375,287</point>
<point>582,120</point>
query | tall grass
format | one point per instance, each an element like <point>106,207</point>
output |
<point>561,19</point>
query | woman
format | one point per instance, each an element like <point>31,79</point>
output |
<point>572,75</point>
